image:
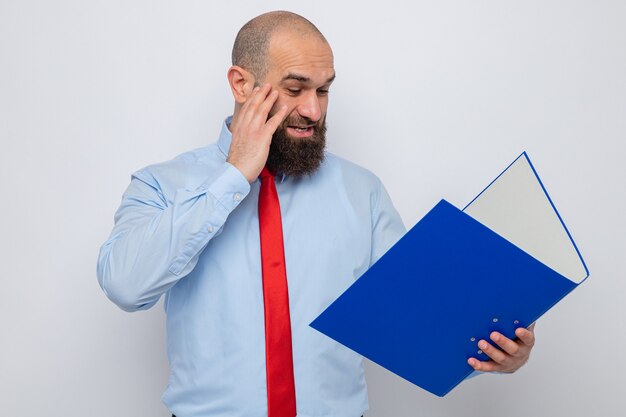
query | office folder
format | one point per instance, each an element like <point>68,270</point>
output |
<point>456,276</point>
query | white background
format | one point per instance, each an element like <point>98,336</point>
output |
<point>435,97</point>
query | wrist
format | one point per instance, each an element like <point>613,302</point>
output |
<point>247,173</point>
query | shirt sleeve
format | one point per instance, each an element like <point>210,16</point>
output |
<point>154,243</point>
<point>387,226</point>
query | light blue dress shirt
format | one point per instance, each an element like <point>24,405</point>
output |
<point>188,228</point>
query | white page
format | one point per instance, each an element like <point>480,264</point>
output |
<point>516,207</point>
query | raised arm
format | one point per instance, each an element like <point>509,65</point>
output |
<point>157,241</point>
<point>154,243</point>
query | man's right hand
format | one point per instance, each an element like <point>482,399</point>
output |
<point>252,132</point>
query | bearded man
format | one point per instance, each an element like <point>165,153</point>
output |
<point>246,263</point>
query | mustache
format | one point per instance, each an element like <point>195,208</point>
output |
<point>297,120</point>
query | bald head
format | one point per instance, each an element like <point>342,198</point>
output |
<point>250,50</point>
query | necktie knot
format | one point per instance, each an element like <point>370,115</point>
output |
<point>266,173</point>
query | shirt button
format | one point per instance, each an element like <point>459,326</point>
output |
<point>238,197</point>
<point>210,229</point>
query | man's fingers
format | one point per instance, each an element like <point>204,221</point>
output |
<point>513,355</point>
<point>489,366</point>
<point>258,109</point>
<point>494,353</point>
<point>275,121</point>
<point>249,110</point>
<point>527,336</point>
<point>509,346</point>
<point>250,99</point>
<point>266,106</point>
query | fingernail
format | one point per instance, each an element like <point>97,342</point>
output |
<point>482,344</point>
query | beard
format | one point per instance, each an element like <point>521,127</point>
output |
<point>297,157</point>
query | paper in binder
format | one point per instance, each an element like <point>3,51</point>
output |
<point>456,276</point>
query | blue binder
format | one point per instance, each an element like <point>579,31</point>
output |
<point>455,277</point>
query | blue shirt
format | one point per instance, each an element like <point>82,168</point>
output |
<point>188,228</point>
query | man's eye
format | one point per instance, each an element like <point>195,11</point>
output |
<point>322,92</point>
<point>294,90</point>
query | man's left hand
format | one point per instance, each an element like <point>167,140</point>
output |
<point>513,355</point>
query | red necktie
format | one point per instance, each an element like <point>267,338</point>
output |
<point>281,393</point>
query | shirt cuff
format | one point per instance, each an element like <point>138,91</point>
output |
<point>229,187</point>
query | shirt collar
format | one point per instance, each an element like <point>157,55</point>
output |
<point>226,137</point>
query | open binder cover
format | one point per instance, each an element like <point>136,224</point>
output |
<point>455,277</point>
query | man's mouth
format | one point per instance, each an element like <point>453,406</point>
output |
<point>300,131</point>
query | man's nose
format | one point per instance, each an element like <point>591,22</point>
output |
<point>310,107</point>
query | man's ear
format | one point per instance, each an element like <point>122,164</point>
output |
<point>241,83</point>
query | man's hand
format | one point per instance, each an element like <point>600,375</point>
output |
<point>513,355</point>
<point>252,132</point>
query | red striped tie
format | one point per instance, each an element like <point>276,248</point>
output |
<point>281,393</point>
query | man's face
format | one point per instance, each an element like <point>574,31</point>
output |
<point>301,70</point>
